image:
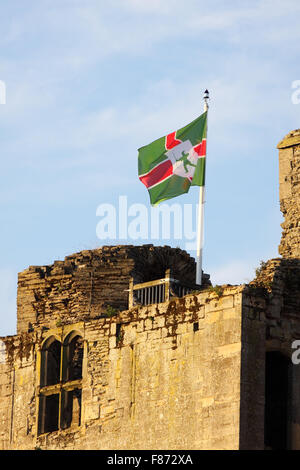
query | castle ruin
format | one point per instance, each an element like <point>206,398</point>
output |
<point>116,348</point>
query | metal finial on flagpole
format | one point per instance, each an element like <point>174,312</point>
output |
<point>201,216</point>
<point>206,98</point>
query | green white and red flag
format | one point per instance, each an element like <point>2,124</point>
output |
<point>169,166</point>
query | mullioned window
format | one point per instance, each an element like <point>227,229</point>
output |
<point>60,383</point>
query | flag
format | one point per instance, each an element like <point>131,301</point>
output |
<point>169,166</point>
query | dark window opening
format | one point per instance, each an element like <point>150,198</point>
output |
<point>196,326</point>
<point>73,359</point>
<point>51,355</point>
<point>48,413</point>
<point>276,401</point>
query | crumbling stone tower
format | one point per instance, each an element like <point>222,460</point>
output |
<point>117,349</point>
<point>289,194</point>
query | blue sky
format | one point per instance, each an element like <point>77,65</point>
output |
<point>89,82</point>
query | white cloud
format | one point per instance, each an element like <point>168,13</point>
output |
<point>145,7</point>
<point>81,33</point>
<point>98,30</point>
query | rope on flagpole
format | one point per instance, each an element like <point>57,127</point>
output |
<point>201,216</point>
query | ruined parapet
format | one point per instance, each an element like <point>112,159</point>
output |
<point>280,277</point>
<point>17,355</point>
<point>191,369</point>
<point>179,369</point>
<point>289,194</point>
<point>88,283</point>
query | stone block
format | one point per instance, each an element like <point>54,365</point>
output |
<point>92,411</point>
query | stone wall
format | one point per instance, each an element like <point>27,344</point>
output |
<point>281,279</point>
<point>170,378</point>
<point>86,283</point>
<point>289,194</point>
<point>17,390</point>
<point>252,405</point>
<point>185,374</point>
<point>279,314</point>
<point>6,394</point>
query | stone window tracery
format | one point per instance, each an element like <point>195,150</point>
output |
<point>60,383</point>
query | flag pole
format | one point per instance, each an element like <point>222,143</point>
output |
<point>201,217</point>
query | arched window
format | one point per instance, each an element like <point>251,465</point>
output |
<point>49,381</point>
<point>50,362</point>
<point>72,373</point>
<point>73,356</point>
<point>60,383</point>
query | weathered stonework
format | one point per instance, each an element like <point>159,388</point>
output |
<point>162,385</point>
<point>193,372</point>
<point>86,283</point>
<point>289,194</point>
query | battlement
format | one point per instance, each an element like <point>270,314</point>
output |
<point>88,283</point>
<point>157,376</point>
